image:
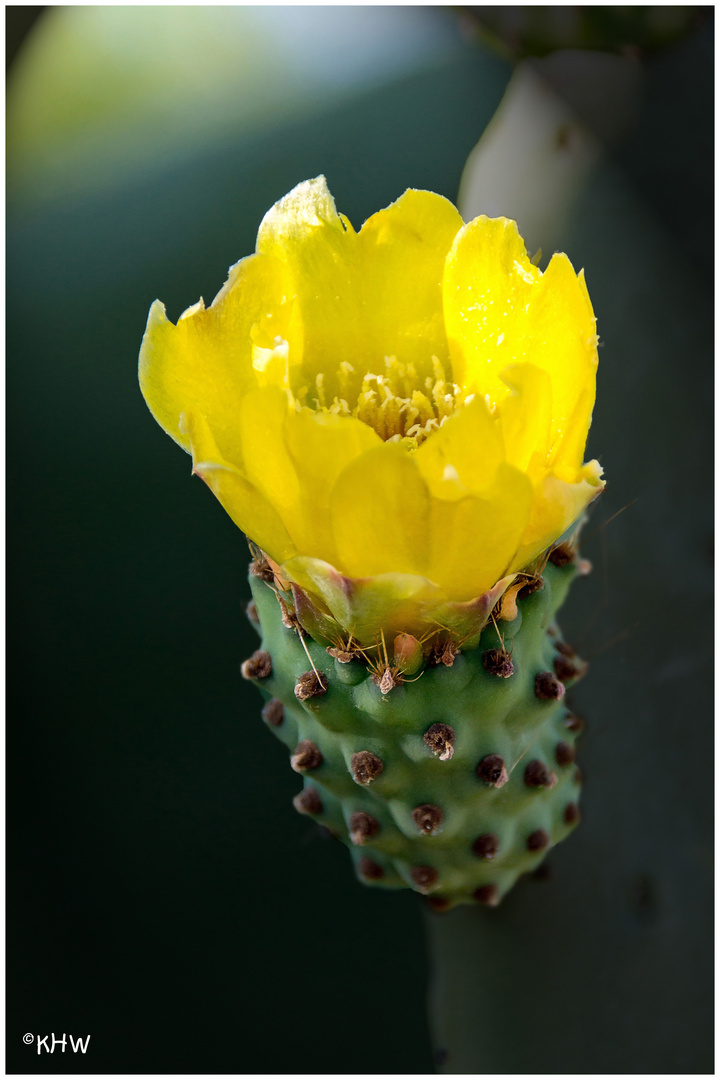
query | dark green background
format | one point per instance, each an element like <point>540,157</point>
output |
<point>607,968</point>
<point>163,896</point>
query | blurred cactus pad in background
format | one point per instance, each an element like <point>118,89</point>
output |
<point>160,884</point>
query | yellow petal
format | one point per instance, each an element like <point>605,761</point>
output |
<point>385,530</point>
<point>403,250</point>
<point>379,512</point>
<point>321,445</point>
<point>473,540</point>
<point>294,218</point>
<point>561,339</point>
<point>525,415</point>
<point>266,461</point>
<point>488,283</point>
<point>367,295</point>
<point>464,455</point>
<point>501,310</point>
<point>293,458</point>
<point>242,501</point>
<point>567,456</point>
<point>204,364</point>
<point>569,451</point>
<point>556,506</point>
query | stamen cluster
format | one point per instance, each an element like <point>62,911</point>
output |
<point>400,405</point>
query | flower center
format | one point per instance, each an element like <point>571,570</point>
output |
<point>397,403</point>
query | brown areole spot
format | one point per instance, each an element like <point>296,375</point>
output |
<point>531,585</point>
<point>363,826</point>
<point>307,756</point>
<point>492,770</point>
<point>308,802</point>
<point>365,766</point>
<point>571,813</point>
<point>252,612</point>
<point>564,754</point>
<point>387,679</point>
<point>258,666</point>
<point>443,652</point>
<point>498,662</point>
<point>428,818</point>
<point>311,684</point>
<point>562,555</point>
<point>440,738</point>
<point>342,655</point>
<point>260,568</point>
<point>548,687</point>
<point>537,775</point>
<point>486,846</point>
<point>285,614</point>
<point>370,869</point>
<point>537,840</point>
<point>567,669</point>
<point>574,723</point>
<point>274,712</point>
<point>438,903</point>
<point>289,618</point>
<point>487,894</point>
<point>424,877</point>
<point>565,649</point>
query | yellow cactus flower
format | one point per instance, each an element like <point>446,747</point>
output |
<point>396,416</point>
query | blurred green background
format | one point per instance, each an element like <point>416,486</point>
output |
<point>163,895</point>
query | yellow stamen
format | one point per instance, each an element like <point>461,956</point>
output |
<point>396,403</point>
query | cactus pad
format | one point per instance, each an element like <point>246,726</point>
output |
<point>452,782</point>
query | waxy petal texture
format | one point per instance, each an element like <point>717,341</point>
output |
<point>397,416</point>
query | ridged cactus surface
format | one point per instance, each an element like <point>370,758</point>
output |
<point>453,781</point>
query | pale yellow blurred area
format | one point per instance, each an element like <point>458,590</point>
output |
<point>100,91</point>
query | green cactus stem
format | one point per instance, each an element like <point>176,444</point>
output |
<point>445,768</point>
